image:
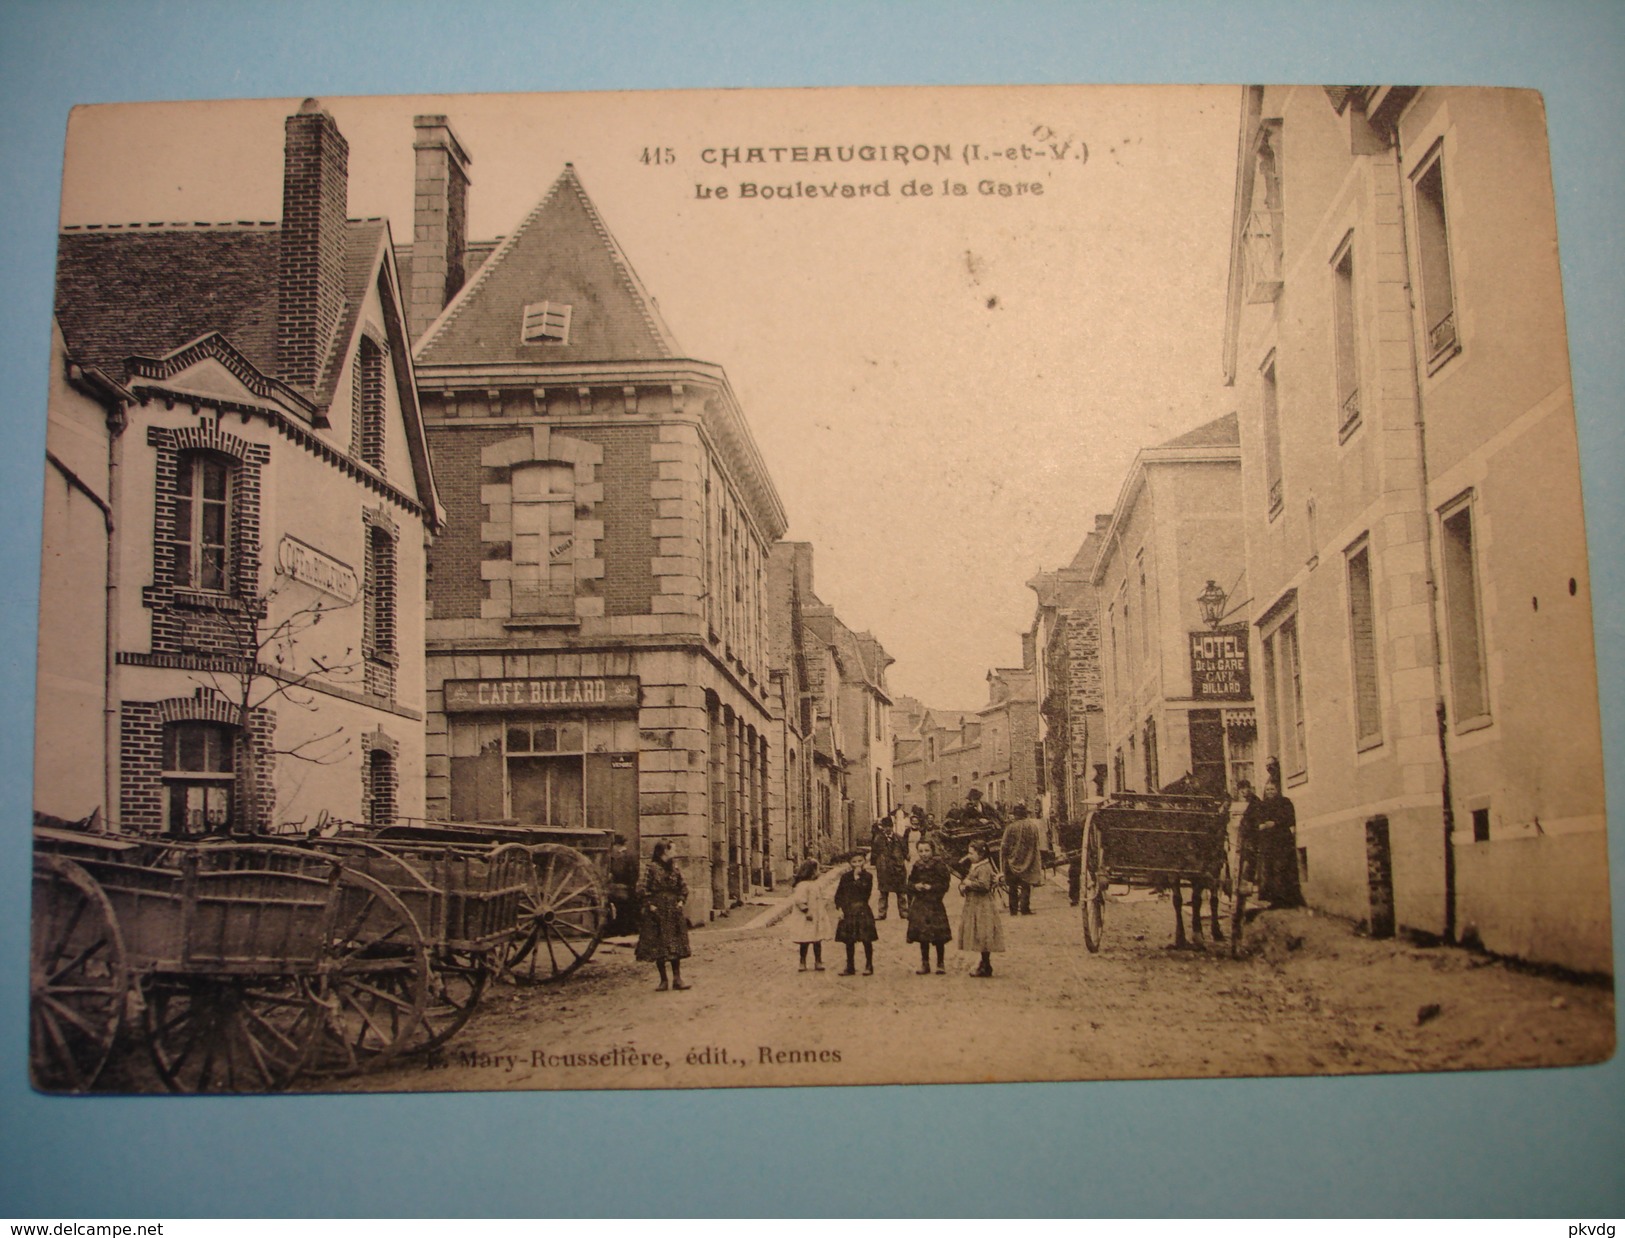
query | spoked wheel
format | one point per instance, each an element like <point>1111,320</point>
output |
<point>228,1033</point>
<point>562,915</point>
<point>1092,890</point>
<point>77,978</point>
<point>372,984</point>
<point>456,980</point>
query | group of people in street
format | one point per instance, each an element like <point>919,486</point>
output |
<point>907,863</point>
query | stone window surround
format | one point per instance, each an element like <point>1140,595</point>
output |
<point>542,445</point>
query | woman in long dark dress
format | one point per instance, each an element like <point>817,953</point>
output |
<point>663,930</point>
<point>928,883</point>
<point>857,921</point>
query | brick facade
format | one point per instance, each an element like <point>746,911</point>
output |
<point>200,621</point>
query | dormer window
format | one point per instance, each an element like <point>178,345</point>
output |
<point>546,322</point>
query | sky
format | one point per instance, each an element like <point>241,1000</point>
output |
<point>945,387</point>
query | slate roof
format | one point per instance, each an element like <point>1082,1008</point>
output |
<point>561,252</point>
<point>146,290</point>
<point>1220,432</point>
<point>123,292</point>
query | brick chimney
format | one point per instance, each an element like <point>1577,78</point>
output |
<point>310,272</point>
<point>439,221</point>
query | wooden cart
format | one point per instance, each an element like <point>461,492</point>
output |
<point>1156,840</point>
<point>467,901</point>
<point>563,909</point>
<point>243,964</point>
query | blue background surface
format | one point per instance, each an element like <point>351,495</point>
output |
<point>1504,1143</point>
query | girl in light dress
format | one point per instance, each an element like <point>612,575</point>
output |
<point>981,926</point>
<point>811,921</point>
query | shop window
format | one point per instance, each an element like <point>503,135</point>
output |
<point>198,777</point>
<point>1433,253</point>
<point>202,526</point>
<point>1469,688</point>
<point>1363,648</point>
<point>537,770</point>
<point>1344,335</point>
<point>1240,740</point>
<point>544,569</point>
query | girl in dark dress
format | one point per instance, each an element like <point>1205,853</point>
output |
<point>663,931</point>
<point>857,921</point>
<point>928,882</point>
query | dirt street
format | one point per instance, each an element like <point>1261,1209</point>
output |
<point>1308,996</point>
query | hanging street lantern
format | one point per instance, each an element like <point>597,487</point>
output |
<point>1211,603</point>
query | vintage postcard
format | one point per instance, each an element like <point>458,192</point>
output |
<point>861,586</point>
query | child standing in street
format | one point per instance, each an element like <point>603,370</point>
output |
<point>928,883</point>
<point>809,922</point>
<point>857,920</point>
<point>980,925</point>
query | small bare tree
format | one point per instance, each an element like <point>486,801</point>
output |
<point>267,664</point>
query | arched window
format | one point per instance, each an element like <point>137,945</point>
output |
<point>201,539</point>
<point>380,788</point>
<point>378,621</point>
<point>198,777</point>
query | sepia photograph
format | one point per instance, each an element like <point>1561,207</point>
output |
<point>844,586</point>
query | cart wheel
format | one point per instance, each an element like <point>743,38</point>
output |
<point>562,915</point>
<point>1092,891</point>
<point>228,1034</point>
<point>372,985</point>
<point>456,981</point>
<point>77,978</point>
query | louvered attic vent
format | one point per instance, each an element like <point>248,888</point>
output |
<point>546,322</point>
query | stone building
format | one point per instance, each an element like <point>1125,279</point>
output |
<point>597,630</point>
<point>864,708</point>
<point>238,499</point>
<point>793,817</point>
<point>1067,670</point>
<point>1010,767</point>
<point>1420,605</point>
<point>1177,698</point>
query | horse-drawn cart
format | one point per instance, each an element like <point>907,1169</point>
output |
<point>242,963</point>
<point>1162,841</point>
<point>246,966</point>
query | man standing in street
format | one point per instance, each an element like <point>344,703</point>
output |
<point>623,879</point>
<point>1021,856</point>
